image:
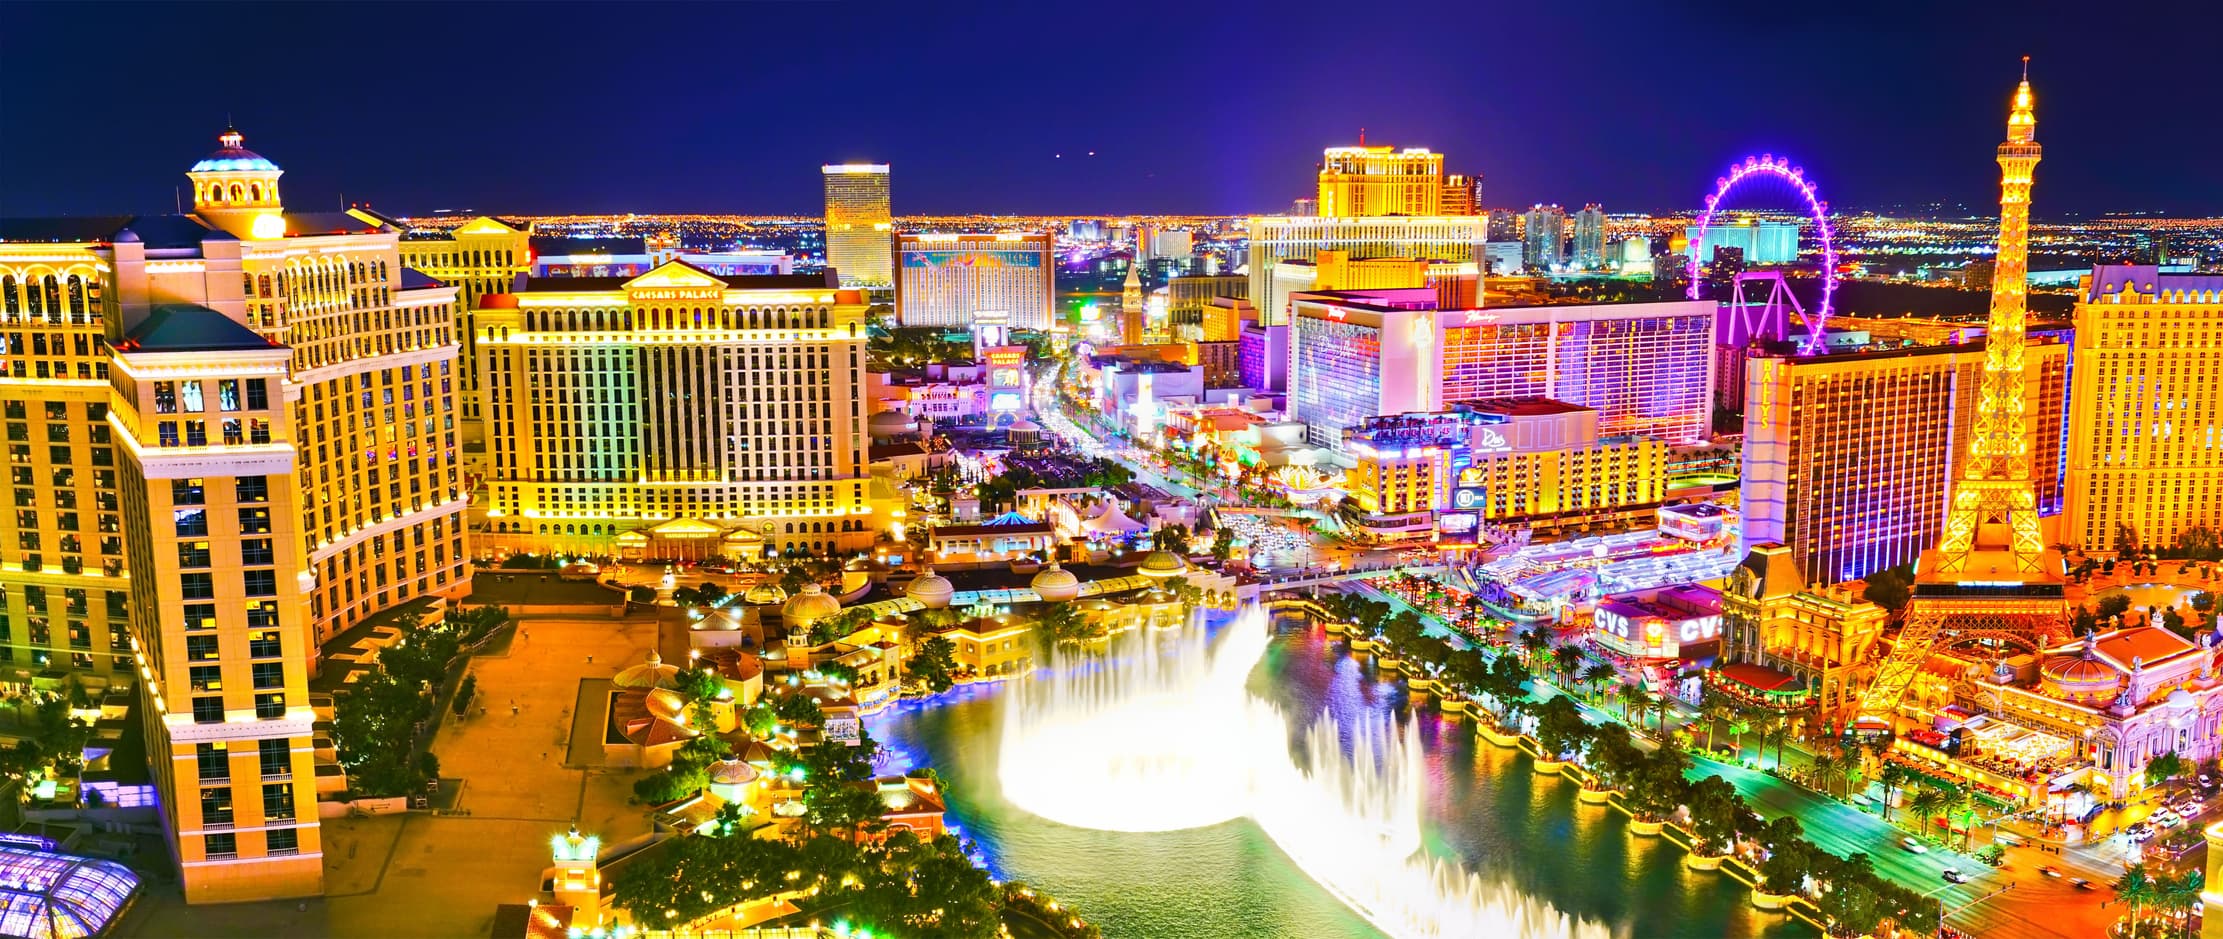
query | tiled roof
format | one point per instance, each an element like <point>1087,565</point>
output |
<point>2143,644</point>
<point>186,327</point>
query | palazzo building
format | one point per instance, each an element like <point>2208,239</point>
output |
<point>2145,462</point>
<point>247,445</point>
<point>676,414</point>
<point>480,258</point>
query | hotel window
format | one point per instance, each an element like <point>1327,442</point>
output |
<point>276,757</point>
<point>261,583</point>
<point>258,394</point>
<point>269,675</point>
<point>284,841</point>
<point>222,845</point>
<point>208,710</point>
<point>165,397</point>
<point>215,761</point>
<point>197,586</point>
<point>189,397</point>
<point>200,616</point>
<point>270,705</point>
<point>254,521</point>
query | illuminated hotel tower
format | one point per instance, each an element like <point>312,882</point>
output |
<point>1364,182</point>
<point>248,446</point>
<point>858,224</point>
<point>1991,576</point>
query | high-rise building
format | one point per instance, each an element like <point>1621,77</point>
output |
<point>1991,576</point>
<point>262,407</point>
<point>1273,240</point>
<point>2145,461</point>
<point>1644,367</point>
<point>1337,270</point>
<point>1590,232</point>
<point>1364,181</point>
<point>1848,457</point>
<point>1544,237</point>
<point>1186,297</point>
<point>675,414</point>
<point>972,280</point>
<point>1526,459</point>
<point>479,257</point>
<point>859,223</point>
<point>1462,195</point>
<point>1133,322</point>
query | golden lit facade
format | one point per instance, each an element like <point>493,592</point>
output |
<point>1848,457</point>
<point>2146,451</point>
<point>217,547</point>
<point>1362,182</point>
<point>269,428</point>
<point>1462,195</point>
<point>859,224</point>
<point>1822,637</point>
<point>675,414</point>
<point>64,594</point>
<point>480,257</point>
<point>1991,574</point>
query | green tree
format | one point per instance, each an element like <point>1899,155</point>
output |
<point>1890,588</point>
<point>2111,606</point>
<point>2163,769</point>
<point>935,663</point>
<point>1062,622</point>
<point>1894,777</point>
<point>2138,887</point>
<point>463,694</point>
<point>1927,804</point>
<point>1852,909</point>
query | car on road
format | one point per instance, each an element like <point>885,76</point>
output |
<point>1911,845</point>
<point>2050,871</point>
<point>1954,875</point>
<point>2082,884</point>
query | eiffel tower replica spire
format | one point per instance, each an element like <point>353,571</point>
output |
<point>1990,579</point>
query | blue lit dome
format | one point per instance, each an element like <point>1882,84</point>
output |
<point>233,158</point>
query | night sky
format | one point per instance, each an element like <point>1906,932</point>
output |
<point>1195,107</point>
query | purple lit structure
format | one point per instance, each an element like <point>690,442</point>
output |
<point>1767,164</point>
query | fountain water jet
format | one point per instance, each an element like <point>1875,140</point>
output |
<point>1172,739</point>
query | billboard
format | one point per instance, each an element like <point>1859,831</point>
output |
<point>991,260</point>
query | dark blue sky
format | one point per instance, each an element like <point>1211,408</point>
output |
<point>1205,107</point>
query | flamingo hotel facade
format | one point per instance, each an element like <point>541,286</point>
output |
<point>232,435</point>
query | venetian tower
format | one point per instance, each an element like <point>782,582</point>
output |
<point>1131,315</point>
<point>1990,578</point>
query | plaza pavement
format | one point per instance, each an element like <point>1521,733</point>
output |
<point>424,876</point>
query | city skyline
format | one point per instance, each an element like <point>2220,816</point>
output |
<point>1082,139</point>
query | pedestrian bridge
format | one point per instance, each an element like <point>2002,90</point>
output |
<point>1318,577</point>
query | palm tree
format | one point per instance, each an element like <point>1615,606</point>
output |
<point>1779,730</point>
<point>1894,778</point>
<point>1566,660</point>
<point>1926,805</point>
<point>1630,689</point>
<point>1532,642</point>
<point>1645,702</point>
<point>1739,726</point>
<point>2137,888</point>
<point>1854,773</point>
<point>1825,770</point>
<point>1595,677</point>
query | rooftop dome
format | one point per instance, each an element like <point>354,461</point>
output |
<point>931,589</point>
<point>49,894</point>
<point>888,423</point>
<point>233,158</point>
<point>765,594</point>
<point>808,607</point>
<point>1162,564</point>
<point>2081,675</point>
<point>1056,584</point>
<point>650,674</point>
<point>732,773</point>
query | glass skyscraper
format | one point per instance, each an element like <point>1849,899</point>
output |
<point>859,226</point>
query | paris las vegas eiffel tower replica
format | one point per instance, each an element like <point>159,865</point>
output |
<point>1990,576</point>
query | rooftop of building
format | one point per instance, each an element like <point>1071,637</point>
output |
<point>188,327</point>
<point>232,156</point>
<point>414,279</point>
<point>2146,279</point>
<point>301,224</point>
<point>47,894</point>
<point>566,284</point>
<point>1522,406</point>
<point>562,245</point>
<point>154,231</point>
